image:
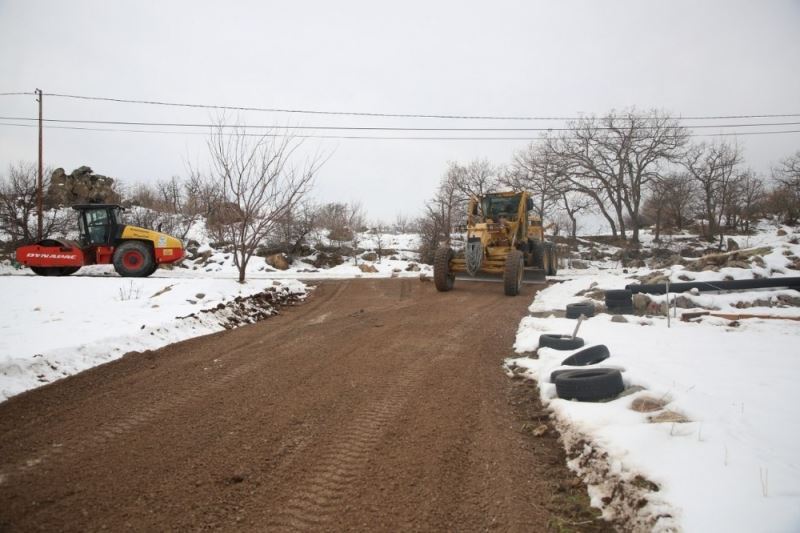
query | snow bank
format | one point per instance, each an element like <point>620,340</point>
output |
<point>733,467</point>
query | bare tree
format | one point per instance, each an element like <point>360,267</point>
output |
<point>295,226</point>
<point>788,172</point>
<point>356,219</point>
<point>538,170</point>
<point>442,212</point>
<point>18,207</point>
<point>572,203</point>
<point>679,192</point>
<point>402,223</point>
<point>477,178</point>
<point>379,230</point>
<point>613,159</point>
<point>751,195</point>
<point>260,184</point>
<point>712,166</point>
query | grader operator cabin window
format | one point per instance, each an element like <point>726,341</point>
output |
<point>494,207</point>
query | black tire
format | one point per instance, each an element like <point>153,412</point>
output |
<point>623,295</point>
<point>589,385</point>
<point>559,342</point>
<point>443,277</point>
<point>555,373</point>
<point>588,356</point>
<point>134,259</point>
<point>537,254</point>
<point>68,271</point>
<point>512,275</point>
<point>583,308</point>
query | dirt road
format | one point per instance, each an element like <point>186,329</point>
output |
<point>374,406</point>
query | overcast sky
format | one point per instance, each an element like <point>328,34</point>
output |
<point>461,58</point>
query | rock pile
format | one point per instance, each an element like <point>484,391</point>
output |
<point>83,186</point>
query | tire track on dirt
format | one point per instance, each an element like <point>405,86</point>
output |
<point>176,401</point>
<point>330,482</point>
<point>327,485</point>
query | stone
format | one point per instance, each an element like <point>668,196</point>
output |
<point>578,264</point>
<point>620,319</point>
<point>539,430</point>
<point>370,256</point>
<point>647,404</point>
<point>279,261</point>
<point>640,303</point>
<point>412,267</point>
<point>367,268</point>
<point>781,233</point>
<point>668,417</point>
<point>732,245</point>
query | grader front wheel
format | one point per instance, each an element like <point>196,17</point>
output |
<point>512,276</point>
<point>443,277</point>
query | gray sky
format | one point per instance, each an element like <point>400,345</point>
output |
<point>477,58</point>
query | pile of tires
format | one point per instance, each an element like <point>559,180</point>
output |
<point>619,302</point>
<point>583,384</point>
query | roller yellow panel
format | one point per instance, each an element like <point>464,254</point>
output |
<point>159,240</point>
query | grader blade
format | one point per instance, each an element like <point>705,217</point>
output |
<point>531,276</point>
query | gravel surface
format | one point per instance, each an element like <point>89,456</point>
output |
<point>377,405</point>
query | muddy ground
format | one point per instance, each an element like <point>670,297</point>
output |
<point>374,406</point>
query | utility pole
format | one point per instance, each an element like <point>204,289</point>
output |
<point>39,195</point>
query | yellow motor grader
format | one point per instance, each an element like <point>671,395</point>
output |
<point>503,238</point>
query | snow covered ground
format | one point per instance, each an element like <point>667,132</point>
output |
<point>720,452</point>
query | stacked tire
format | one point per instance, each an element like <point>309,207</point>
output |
<point>619,302</point>
<point>581,308</point>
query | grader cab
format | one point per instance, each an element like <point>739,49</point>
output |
<point>504,238</point>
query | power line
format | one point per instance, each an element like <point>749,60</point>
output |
<point>17,94</point>
<point>377,114</point>
<point>375,128</point>
<point>368,137</point>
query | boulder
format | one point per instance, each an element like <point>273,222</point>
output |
<point>578,264</point>
<point>640,303</point>
<point>278,261</point>
<point>324,260</point>
<point>647,404</point>
<point>732,245</point>
<point>370,256</point>
<point>80,187</point>
<point>367,268</point>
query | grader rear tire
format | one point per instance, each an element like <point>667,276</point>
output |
<point>537,254</point>
<point>550,260</point>
<point>512,276</point>
<point>443,277</point>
